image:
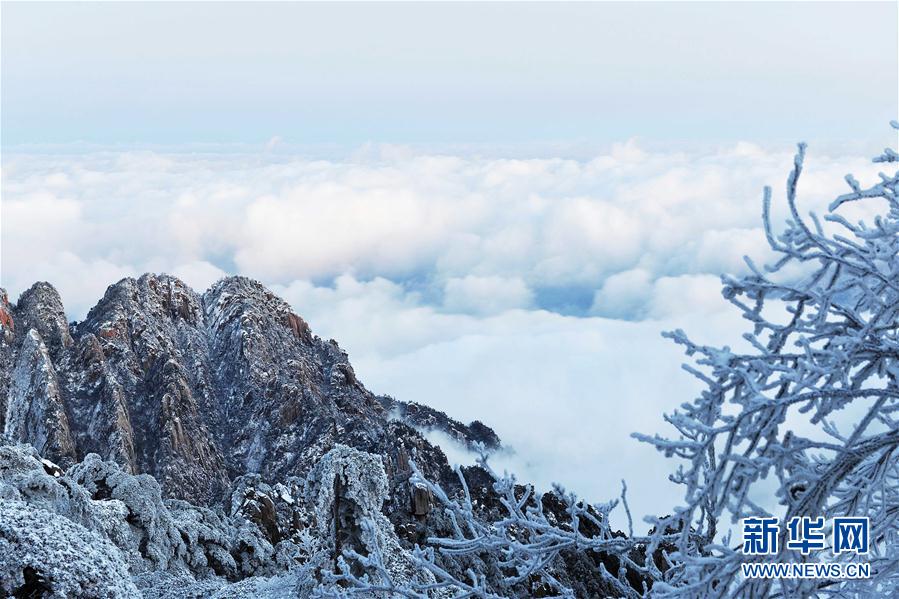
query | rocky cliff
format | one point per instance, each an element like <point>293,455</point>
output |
<point>197,435</point>
<point>193,389</point>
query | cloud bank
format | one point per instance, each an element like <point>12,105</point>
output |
<point>466,233</point>
<point>528,293</point>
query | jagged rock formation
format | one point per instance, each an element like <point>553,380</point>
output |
<point>424,418</point>
<point>195,390</point>
<point>208,445</point>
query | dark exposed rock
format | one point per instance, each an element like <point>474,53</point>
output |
<point>421,500</point>
<point>52,469</point>
<point>299,327</point>
<point>425,418</point>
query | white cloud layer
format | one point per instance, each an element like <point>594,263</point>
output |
<point>528,293</point>
<point>473,234</point>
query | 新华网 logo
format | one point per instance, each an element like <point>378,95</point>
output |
<point>804,534</point>
<point>848,535</point>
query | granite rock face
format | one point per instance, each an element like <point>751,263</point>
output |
<point>196,389</point>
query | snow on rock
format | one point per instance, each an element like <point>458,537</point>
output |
<point>34,409</point>
<point>347,490</point>
<point>44,554</point>
<point>168,547</point>
<point>40,308</point>
<point>157,538</point>
<point>266,540</point>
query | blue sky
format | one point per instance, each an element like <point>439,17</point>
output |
<point>495,208</point>
<point>170,73</point>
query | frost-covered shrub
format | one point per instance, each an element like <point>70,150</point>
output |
<point>167,545</point>
<point>158,539</point>
<point>24,476</point>
<point>43,554</point>
<point>205,535</point>
<point>278,540</point>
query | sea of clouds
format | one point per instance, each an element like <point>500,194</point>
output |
<point>527,293</point>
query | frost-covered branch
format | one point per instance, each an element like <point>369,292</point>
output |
<point>525,542</point>
<point>813,404</point>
